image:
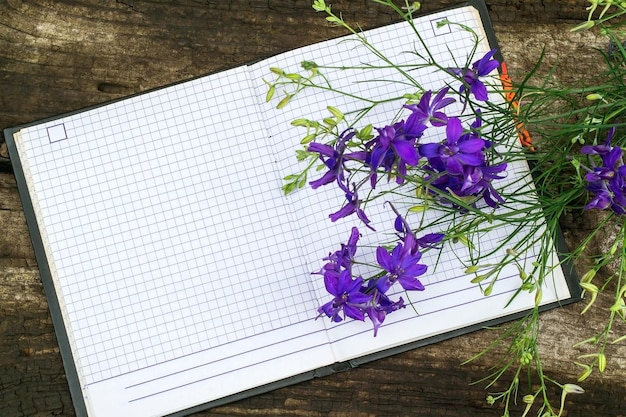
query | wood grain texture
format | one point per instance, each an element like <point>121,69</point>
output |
<point>62,56</point>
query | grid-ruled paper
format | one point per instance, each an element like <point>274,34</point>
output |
<point>183,273</point>
<point>169,237</point>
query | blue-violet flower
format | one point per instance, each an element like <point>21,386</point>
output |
<point>484,66</point>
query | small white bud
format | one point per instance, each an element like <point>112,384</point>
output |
<point>594,97</point>
<point>573,389</point>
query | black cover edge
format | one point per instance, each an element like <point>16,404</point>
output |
<point>54,307</point>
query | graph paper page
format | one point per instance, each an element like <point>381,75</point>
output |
<point>450,300</point>
<point>170,245</point>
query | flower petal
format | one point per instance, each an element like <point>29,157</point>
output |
<point>406,151</point>
<point>411,284</point>
<point>471,145</point>
<point>454,130</point>
<point>384,258</point>
<point>353,312</point>
<point>479,90</point>
<point>429,150</point>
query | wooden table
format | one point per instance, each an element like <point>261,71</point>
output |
<point>62,56</point>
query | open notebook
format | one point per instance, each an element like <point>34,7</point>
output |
<point>179,275</point>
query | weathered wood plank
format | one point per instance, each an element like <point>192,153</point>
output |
<point>62,56</point>
<point>32,380</point>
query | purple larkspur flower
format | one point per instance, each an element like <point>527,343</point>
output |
<point>602,149</point>
<point>392,138</point>
<point>473,182</point>
<point>334,158</point>
<point>401,265</point>
<point>393,149</point>
<point>344,257</point>
<point>604,198</point>
<point>428,241</point>
<point>477,181</point>
<point>607,182</point>
<point>427,111</point>
<point>480,68</point>
<point>458,165</point>
<point>380,305</point>
<point>458,150</point>
<point>352,206</point>
<point>348,298</point>
<point>357,298</point>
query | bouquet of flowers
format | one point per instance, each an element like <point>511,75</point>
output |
<point>448,151</point>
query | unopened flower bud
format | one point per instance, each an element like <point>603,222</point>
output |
<point>585,374</point>
<point>573,389</point>
<point>479,278</point>
<point>591,288</point>
<point>594,97</point>
<point>588,275</point>
<point>471,269</point>
<point>601,362</point>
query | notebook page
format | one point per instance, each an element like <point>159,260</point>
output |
<point>171,249</point>
<point>450,300</point>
